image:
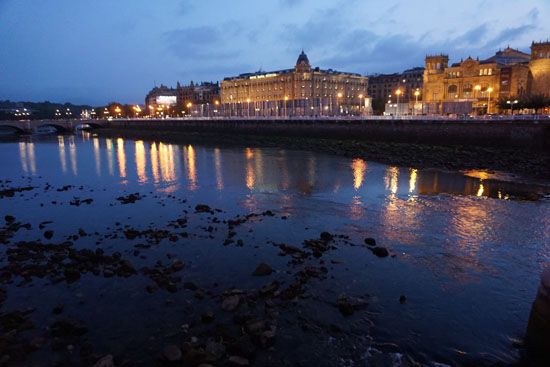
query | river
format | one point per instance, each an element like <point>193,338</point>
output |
<point>466,252</point>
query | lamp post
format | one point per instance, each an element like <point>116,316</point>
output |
<point>489,90</point>
<point>416,94</point>
<point>397,93</point>
<point>286,102</point>
<point>189,105</point>
<point>512,103</point>
<point>338,97</point>
<point>360,104</point>
<point>248,107</point>
<point>216,104</point>
<point>477,89</point>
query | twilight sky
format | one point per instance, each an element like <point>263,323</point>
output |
<point>96,51</point>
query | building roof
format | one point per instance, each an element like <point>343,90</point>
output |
<point>508,56</point>
<point>302,59</point>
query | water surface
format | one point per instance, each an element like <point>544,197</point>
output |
<point>467,248</point>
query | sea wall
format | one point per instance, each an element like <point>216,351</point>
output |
<point>532,135</point>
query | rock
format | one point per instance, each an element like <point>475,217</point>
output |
<point>269,288</point>
<point>370,241</point>
<point>9,219</point>
<point>190,286</point>
<point>215,350</point>
<point>345,306</point>
<point>58,309</point>
<point>403,300</point>
<point>207,316</point>
<point>326,236</point>
<point>380,251</point>
<point>68,328</point>
<point>48,235</point>
<point>263,270</point>
<point>201,208</point>
<point>238,361</point>
<point>106,361</point>
<point>171,353</point>
<point>230,303</point>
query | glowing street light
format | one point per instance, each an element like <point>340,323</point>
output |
<point>286,102</point>
<point>489,90</point>
<point>248,107</point>
<point>338,97</point>
<point>397,93</point>
<point>416,94</point>
<point>360,103</point>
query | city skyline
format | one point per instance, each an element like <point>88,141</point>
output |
<point>96,53</point>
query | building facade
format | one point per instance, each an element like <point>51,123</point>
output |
<point>397,92</point>
<point>475,86</point>
<point>301,91</point>
<point>182,100</point>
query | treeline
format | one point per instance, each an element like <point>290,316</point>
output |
<point>39,110</point>
<point>536,102</point>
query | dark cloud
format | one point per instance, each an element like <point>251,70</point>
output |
<point>509,35</point>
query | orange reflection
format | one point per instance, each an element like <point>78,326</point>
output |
<point>155,163</point>
<point>359,167</point>
<point>481,189</point>
<point>249,153</point>
<point>412,180</point>
<point>141,161</point>
<point>167,166</point>
<point>391,179</point>
<point>121,155</point>
<point>62,153</point>
<point>250,178</point>
<point>191,168</point>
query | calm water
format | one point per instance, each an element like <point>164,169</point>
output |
<point>468,249</point>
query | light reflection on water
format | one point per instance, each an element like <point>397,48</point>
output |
<point>450,230</point>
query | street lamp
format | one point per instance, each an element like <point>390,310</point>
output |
<point>512,103</point>
<point>360,104</point>
<point>416,94</point>
<point>489,90</point>
<point>338,97</point>
<point>189,105</point>
<point>286,102</point>
<point>248,107</point>
<point>137,110</point>
<point>397,93</point>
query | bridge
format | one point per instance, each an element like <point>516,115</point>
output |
<point>525,132</point>
<point>33,126</point>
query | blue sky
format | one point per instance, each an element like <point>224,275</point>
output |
<point>86,51</point>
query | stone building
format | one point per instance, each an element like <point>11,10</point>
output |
<point>161,101</point>
<point>300,91</point>
<point>475,86</point>
<point>197,94</point>
<point>383,87</point>
<point>539,68</point>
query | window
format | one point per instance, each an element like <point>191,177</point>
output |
<point>452,90</point>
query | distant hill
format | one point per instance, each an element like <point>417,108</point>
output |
<point>39,110</point>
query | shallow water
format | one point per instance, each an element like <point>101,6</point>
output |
<point>467,249</point>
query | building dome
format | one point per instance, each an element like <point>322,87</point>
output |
<point>302,59</point>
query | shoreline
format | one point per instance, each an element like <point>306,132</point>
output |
<point>523,164</point>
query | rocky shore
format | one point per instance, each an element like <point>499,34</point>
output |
<point>522,163</point>
<point>227,327</point>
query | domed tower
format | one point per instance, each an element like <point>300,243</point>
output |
<point>539,68</point>
<point>302,65</point>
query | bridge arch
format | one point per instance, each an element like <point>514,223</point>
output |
<point>12,128</point>
<point>58,128</point>
<point>86,125</point>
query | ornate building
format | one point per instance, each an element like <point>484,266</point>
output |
<point>166,101</point>
<point>474,86</point>
<point>301,91</point>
